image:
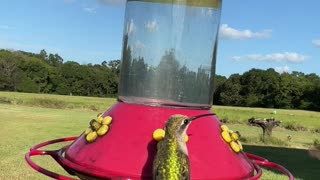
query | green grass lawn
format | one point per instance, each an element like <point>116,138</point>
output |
<point>23,127</point>
<point>57,101</point>
<point>24,124</point>
<point>307,119</point>
<point>298,139</point>
<point>296,161</point>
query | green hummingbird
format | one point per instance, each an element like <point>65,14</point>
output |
<point>172,161</point>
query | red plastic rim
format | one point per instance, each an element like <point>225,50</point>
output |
<point>57,155</point>
<point>54,154</point>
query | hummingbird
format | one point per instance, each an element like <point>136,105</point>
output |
<point>172,161</point>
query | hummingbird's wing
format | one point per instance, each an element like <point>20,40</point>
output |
<point>155,169</point>
<point>160,167</point>
<point>185,166</point>
<point>157,162</point>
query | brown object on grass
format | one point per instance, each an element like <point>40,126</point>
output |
<point>266,124</point>
<point>314,153</point>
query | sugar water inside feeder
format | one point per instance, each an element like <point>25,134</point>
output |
<point>169,51</point>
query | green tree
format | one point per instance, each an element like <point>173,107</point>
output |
<point>259,87</point>
<point>230,91</point>
<point>10,74</point>
<point>43,55</point>
<point>70,77</point>
<point>37,71</point>
<point>55,60</point>
<point>218,88</point>
<point>311,96</point>
<point>291,90</point>
<point>114,65</point>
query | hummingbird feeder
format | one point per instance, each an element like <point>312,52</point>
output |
<point>167,68</point>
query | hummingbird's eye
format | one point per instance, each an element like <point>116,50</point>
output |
<point>186,122</point>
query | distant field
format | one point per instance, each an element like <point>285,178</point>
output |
<point>307,119</point>
<point>28,119</point>
<point>57,101</point>
<point>237,116</point>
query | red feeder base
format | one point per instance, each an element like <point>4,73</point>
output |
<point>128,149</point>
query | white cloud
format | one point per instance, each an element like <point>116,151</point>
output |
<point>227,32</point>
<point>131,27</point>
<point>286,57</point>
<point>152,26</point>
<point>4,27</point>
<point>281,70</point>
<point>139,45</point>
<point>112,2</point>
<point>316,42</point>
<point>90,10</point>
<point>14,44</point>
<point>236,58</point>
<point>207,12</point>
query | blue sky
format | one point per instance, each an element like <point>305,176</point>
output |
<point>284,35</point>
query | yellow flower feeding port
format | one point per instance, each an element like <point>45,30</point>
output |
<point>232,138</point>
<point>97,128</point>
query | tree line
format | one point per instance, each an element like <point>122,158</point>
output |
<point>48,73</point>
<point>270,89</point>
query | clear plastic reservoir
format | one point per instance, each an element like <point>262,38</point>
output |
<point>169,52</point>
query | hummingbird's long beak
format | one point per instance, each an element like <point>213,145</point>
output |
<point>200,116</point>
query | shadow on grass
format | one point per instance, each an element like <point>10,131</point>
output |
<point>297,161</point>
